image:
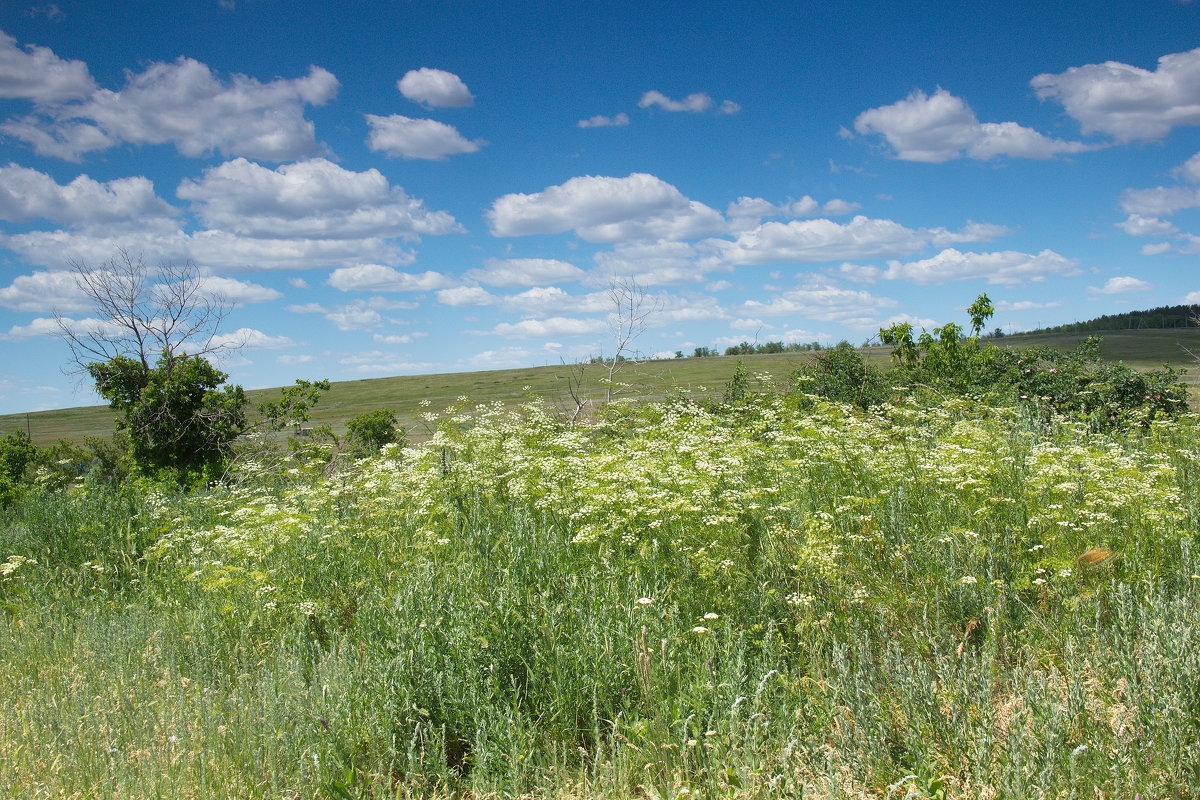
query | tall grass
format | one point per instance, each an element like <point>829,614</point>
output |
<point>780,598</point>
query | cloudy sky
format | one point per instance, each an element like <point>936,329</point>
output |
<point>415,186</point>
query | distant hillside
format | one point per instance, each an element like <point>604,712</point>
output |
<point>1139,348</point>
<point>1163,317</point>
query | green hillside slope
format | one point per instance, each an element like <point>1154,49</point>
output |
<point>1141,349</point>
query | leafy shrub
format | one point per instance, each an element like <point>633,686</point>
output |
<point>371,430</point>
<point>1077,384</point>
<point>841,374</point>
<point>16,453</point>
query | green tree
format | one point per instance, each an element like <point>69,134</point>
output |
<point>738,386</point>
<point>147,355</point>
<point>944,359</point>
<point>177,414</point>
<point>371,430</point>
<point>16,453</point>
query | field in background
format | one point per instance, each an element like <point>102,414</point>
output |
<point>1141,349</point>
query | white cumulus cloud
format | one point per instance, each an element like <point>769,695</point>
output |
<point>49,326</point>
<point>606,209</point>
<point>694,103</point>
<point>552,326</point>
<point>1129,102</point>
<point>1025,305</point>
<point>250,339</point>
<point>36,73</point>
<point>214,250</point>
<point>650,263</point>
<point>380,278</point>
<point>428,139</point>
<point>1122,284</point>
<point>824,301</point>
<point>309,199</point>
<point>26,194</point>
<point>237,292</point>
<point>185,104</point>
<point>43,292</point>
<point>600,121</point>
<point>1137,225</point>
<point>435,88</point>
<point>525,272</point>
<point>1189,170</point>
<point>942,127</point>
<point>458,296</point>
<point>817,240</point>
<point>1004,268</point>
<point>748,210</point>
<point>1160,200</point>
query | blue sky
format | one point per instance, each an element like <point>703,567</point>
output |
<point>397,187</point>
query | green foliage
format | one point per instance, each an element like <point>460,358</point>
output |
<point>294,405</point>
<point>980,311</point>
<point>738,385</point>
<point>371,430</point>
<point>943,600</point>
<point>767,348</point>
<point>841,374</point>
<point>179,419</point>
<point>1181,316</point>
<point>1077,384</point>
<point>944,359</point>
<point>17,452</point>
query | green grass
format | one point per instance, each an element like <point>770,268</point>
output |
<point>405,393</point>
<point>777,599</point>
<point>1142,349</point>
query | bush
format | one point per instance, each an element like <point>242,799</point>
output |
<point>1078,384</point>
<point>841,374</point>
<point>16,453</point>
<point>371,430</point>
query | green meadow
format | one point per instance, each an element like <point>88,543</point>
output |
<point>724,585</point>
<point>1142,349</point>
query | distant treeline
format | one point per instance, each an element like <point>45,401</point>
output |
<point>1162,317</point>
<point>750,349</point>
<point>741,349</point>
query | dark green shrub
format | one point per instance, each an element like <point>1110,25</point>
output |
<point>371,430</point>
<point>841,374</point>
<point>17,452</point>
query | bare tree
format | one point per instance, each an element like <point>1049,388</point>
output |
<point>575,390</point>
<point>632,310</point>
<point>143,314</point>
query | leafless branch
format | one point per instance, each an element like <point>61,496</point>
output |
<point>579,400</point>
<point>632,311</point>
<point>142,313</point>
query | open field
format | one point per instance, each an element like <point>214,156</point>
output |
<point>1141,349</point>
<point>773,598</point>
<point>405,393</point>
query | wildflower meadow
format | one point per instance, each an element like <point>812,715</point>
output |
<point>772,596</point>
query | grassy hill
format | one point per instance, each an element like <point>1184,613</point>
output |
<point>1141,349</point>
<point>404,393</point>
